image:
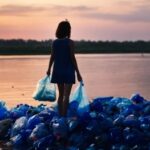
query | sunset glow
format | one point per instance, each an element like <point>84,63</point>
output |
<point>91,20</point>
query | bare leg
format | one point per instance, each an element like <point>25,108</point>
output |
<point>67,90</point>
<point>60,98</point>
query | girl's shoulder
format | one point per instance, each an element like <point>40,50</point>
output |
<point>70,41</point>
<point>55,41</point>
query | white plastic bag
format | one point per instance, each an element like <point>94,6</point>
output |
<point>80,96</point>
<point>45,90</point>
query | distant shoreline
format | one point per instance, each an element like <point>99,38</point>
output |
<point>33,47</point>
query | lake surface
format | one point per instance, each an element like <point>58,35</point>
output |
<point>103,74</point>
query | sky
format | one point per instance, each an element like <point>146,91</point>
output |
<point>119,20</point>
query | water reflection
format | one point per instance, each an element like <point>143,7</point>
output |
<point>104,75</point>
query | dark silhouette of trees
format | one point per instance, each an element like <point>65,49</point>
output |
<point>34,47</point>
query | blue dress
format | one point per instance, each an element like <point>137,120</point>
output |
<point>63,68</point>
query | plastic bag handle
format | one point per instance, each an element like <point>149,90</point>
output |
<point>81,82</point>
<point>49,76</point>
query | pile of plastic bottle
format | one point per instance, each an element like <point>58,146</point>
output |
<point>112,123</point>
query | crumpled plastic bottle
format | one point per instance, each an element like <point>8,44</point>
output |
<point>33,121</point>
<point>133,136</point>
<point>4,113</point>
<point>47,115</point>
<point>137,98</point>
<point>17,140</point>
<point>60,128</point>
<point>72,109</point>
<point>73,124</point>
<point>43,143</point>
<point>40,131</point>
<point>115,135</point>
<point>131,121</point>
<point>19,111</point>
<point>20,141</point>
<point>19,125</point>
<point>5,126</point>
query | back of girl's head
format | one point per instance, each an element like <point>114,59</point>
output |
<point>63,30</point>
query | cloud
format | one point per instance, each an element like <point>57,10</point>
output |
<point>18,10</point>
<point>141,15</point>
<point>69,11</point>
<point>71,8</point>
<point>140,11</point>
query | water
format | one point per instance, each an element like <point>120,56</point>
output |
<point>103,74</point>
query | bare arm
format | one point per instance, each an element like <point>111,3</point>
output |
<point>51,60</point>
<point>74,61</point>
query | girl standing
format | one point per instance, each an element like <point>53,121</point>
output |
<point>65,65</point>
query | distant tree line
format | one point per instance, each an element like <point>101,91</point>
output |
<point>34,47</point>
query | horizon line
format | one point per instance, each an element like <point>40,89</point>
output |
<point>86,40</point>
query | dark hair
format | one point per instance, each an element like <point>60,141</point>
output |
<point>63,30</point>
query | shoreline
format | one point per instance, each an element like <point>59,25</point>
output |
<point>78,55</point>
